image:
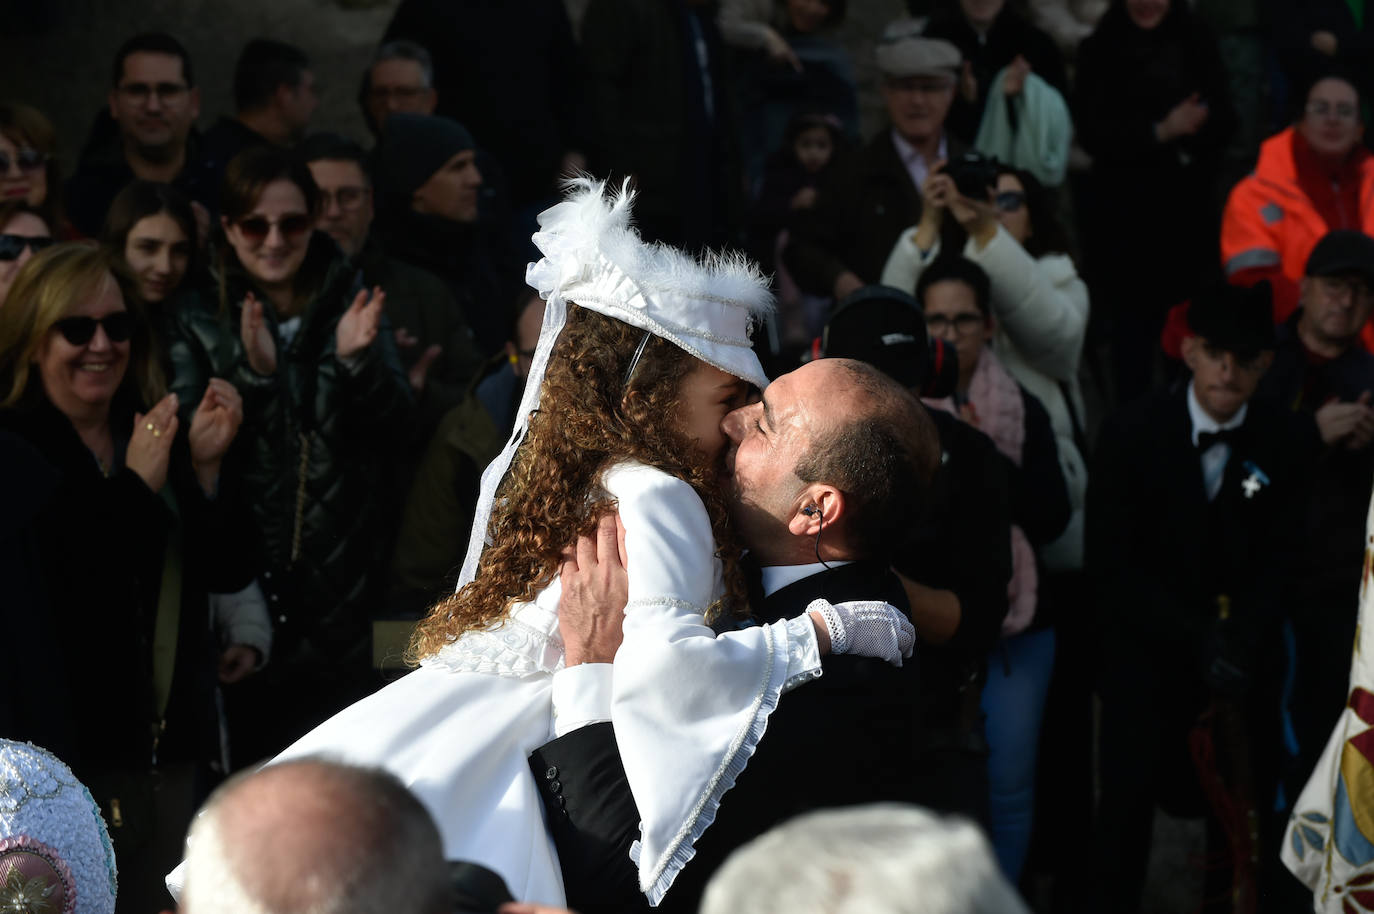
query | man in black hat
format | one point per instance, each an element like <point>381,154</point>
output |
<point>426,191</point>
<point>1191,510</point>
<point>957,550</point>
<point>1322,371</point>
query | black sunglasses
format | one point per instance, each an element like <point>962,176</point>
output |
<point>28,159</point>
<point>1009,201</point>
<point>11,246</point>
<point>79,331</point>
<point>256,228</point>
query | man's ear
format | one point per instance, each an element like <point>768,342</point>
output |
<point>110,99</point>
<point>1191,349</point>
<point>433,101</point>
<point>818,506</point>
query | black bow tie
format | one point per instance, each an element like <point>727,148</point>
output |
<point>1205,440</point>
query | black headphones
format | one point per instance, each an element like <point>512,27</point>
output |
<point>811,510</point>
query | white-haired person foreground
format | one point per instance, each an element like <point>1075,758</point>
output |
<point>881,859</point>
<point>314,836</point>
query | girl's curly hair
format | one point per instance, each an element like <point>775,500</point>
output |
<point>588,419</point>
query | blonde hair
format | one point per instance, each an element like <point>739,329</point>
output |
<point>43,293</point>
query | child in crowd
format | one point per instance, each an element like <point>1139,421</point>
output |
<point>810,149</point>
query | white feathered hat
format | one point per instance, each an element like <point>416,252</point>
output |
<point>594,258</point>
<point>55,854</point>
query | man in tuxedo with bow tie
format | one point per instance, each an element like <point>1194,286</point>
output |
<point>1191,510</point>
<point>824,473</point>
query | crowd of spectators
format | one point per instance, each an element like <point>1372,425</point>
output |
<point>250,376</point>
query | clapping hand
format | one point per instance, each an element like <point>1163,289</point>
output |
<point>1184,119</point>
<point>358,327</point>
<point>213,427</point>
<point>419,372</point>
<point>1351,424</point>
<point>258,344</point>
<point>150,443</point>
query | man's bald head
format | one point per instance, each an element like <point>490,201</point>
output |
<point>314,836</point>
<point>834,427</point>
<point>876,443</point>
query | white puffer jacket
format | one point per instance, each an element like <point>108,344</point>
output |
<point>1041,307</point>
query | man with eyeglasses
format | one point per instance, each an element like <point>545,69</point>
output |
<point>1192,519</point>
<point>400,78</point>
<point>149,134</point>
<point>1322,372</point>
<point>1312,178</point>
<point>842,242</point>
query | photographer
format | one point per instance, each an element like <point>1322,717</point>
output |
<point>1039,304</point>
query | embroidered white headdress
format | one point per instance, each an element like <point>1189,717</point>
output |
<point>55,854</point>
<point>594,258</point>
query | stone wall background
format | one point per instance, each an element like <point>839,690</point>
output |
<point>56,54</point>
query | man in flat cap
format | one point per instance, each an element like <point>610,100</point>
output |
<point>842,242</point>
<point>1322,372</point>
<point>1192,507</point>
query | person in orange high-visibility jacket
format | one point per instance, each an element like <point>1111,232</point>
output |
<point>1311,178</point>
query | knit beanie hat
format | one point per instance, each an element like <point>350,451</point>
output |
<point>413,148</point>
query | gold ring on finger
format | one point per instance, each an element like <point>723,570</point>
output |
<point>157,433</point>
<point>150,427</point>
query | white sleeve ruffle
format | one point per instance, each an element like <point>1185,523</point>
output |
<point>689,707</point>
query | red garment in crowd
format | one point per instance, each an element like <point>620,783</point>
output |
<point>1276,215</point>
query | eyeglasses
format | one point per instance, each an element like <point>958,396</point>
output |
<point>79,331</point>
<point>27,159</point>
<point>968,322</point>
<point>349,198</point>
<point>1009,201</point>
<point>1341,111</point>
<point>255,229</point>
<point>400,93</point>
<point>920,85</point>
<point>165,92</point>
<point>11,246</point>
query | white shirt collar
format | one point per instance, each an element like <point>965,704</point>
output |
<point>776,577</point>
<point>1205,423</point>
<point>911,157</point>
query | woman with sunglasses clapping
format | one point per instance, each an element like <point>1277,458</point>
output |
<point>110,660</point>
<point>326,406</point>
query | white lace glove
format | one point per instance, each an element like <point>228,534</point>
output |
<point>867,628</point>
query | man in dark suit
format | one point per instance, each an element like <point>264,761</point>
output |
<point>842,242</point>
<point>1193,502</point>
<point>826,471</point>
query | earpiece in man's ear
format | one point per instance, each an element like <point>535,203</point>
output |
<point>811,510</point>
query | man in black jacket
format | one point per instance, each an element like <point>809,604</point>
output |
<point>1322,371</point>
<point>825,471</point>
<point>1191,512</point>
<point>842,243</point>
<point>147,133</point>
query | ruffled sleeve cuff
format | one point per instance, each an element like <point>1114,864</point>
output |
<point>803,653</point>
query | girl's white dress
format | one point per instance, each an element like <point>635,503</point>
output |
<point>688,705</point>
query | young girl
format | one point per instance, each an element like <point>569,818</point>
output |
<point>810,149</point>
<point>642,353</point>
